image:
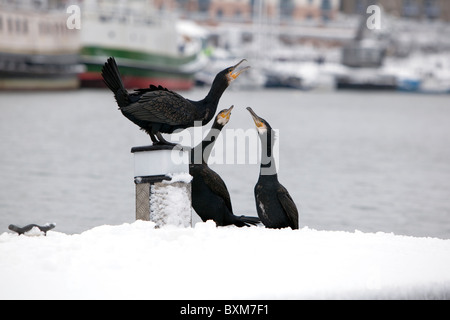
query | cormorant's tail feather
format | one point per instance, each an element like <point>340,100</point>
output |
<point>247,221</point>
<point>112,78</point>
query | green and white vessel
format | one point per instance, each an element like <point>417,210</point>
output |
<point>151,46</point>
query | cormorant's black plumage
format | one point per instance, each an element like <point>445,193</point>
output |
<point>274,205</point>
<point>210,196</point>
<point>158,110</point>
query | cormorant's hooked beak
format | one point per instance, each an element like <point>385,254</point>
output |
<point>234,73</point>
<point>224,116</point>
<point>258,122</point>
<point>227,113</point>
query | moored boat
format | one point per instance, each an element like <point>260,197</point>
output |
<point>37,50</point>
<point>147,45</point>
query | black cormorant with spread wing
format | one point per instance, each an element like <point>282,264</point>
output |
<point>210,196</point>
<point>158,110</point>
<point>274,205</point>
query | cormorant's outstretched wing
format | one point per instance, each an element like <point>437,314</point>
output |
<point>216,184</point>
<point>162,106</point>
<point>288,205</point>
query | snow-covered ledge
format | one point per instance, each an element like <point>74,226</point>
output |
<point>107,262</point>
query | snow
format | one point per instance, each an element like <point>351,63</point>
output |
<point>138,261</point>
<point>170,204</point>
<point>179,177</point>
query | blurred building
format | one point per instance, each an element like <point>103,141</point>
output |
<point>312,9</point>
<point>245,10</point>
<point>415,9</point>
<point>165,4</point>
<point>230,9</point>
<point>37,49</point>
<point>37,4</point>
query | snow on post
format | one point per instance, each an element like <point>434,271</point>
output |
<point>163,185</point>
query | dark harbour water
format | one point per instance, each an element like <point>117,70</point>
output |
<point>351,160</point>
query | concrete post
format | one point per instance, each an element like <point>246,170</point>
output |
<point>163,188</point>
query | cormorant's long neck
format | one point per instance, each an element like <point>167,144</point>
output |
<point>215,93</point>
<point>211,101</point>
<point>268,167</point>
<point>201,152</point>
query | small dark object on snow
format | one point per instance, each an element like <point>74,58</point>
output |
<point>27,228</point>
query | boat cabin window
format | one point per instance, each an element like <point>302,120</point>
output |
<point>42,28</point>
<point>18,26</point>
<point>10,25</point>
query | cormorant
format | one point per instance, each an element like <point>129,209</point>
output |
<point>274,205</point>
<point>210,196</point>
<point>158,110</point>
